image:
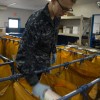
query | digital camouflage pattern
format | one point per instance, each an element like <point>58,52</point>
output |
<point>37,43</point>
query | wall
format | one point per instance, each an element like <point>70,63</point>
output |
<point>82,7</point>
<point>86,8</point>
<point>14,13</point>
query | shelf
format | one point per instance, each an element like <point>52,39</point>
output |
<point>73,35</point>
<point>79,21</point>
<point>73,17</point>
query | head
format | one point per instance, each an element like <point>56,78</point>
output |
<point>60,7</point>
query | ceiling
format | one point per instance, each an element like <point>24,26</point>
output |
<point>33,4</point>
<point>24,4</point>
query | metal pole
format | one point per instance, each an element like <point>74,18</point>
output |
<point>81,89</point>
<point>5,63</point>
<point>5,58</point>
<point>13,77</point>
<point>57,66</point>
<point>67,63</point>
<point>10,62</point>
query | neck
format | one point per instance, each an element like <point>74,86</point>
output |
<point>51,11</point>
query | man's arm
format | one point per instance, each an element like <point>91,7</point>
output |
<point>25,61</point>
<point>53,50</point>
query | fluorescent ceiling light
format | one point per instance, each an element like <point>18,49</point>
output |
<point>98,3</point>
<point>11,4</point>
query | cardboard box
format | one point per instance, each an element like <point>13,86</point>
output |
<point>2,31</point>
<point>75,30</point>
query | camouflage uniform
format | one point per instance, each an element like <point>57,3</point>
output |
<point>37,43</point>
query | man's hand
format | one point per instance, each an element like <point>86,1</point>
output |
<point>39,89</point>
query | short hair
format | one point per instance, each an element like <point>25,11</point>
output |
<point>74,1</point>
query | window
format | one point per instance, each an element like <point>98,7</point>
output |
<point>13,23</point>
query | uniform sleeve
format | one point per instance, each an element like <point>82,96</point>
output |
<point>57,22</point>
<point>55,42</point>
<point>24,59</point>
